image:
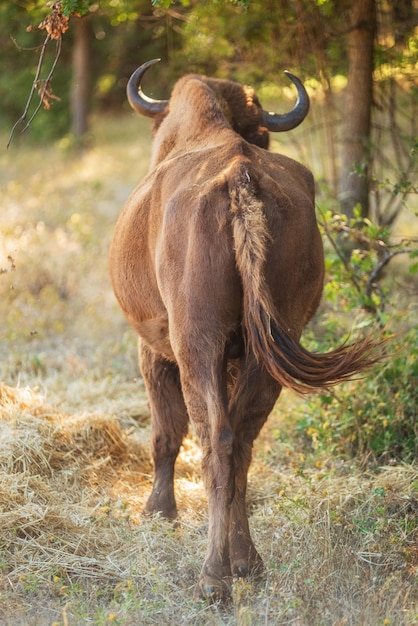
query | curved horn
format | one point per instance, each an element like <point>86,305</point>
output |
<point>278,123</point>
<point>137,99</point>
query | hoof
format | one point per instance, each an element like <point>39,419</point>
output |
<point>213,589</point>
<point>168,513</point>
<point>251,566</point>
<point>169,516</point>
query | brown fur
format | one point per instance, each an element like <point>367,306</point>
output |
<point>218,264</point>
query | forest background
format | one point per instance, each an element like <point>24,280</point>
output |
<point>343,464</point>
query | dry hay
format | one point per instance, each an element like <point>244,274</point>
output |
<point>338,544</point>
<point>72,488</point>
<point>56,472</point>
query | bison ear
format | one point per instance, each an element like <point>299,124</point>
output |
<point>137,99</point>
<point>276,122</point>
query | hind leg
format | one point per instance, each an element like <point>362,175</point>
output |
<point>253,399</point>
<point>169,426</point>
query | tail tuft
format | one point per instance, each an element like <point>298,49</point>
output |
<point>301,370</point>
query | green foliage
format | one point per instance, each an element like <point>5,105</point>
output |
<point>356,248</point>
<point>358,252</point>
<point>78,7</point>
<point>375,415</point>
<point>228,40</point>
<point>123,34</point>
<point>166,4</point>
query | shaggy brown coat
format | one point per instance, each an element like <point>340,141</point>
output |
<point>217,262</point>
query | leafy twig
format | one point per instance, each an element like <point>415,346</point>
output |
<point>373,276</point>
<point>55,24</point>
<point>45,93</point>
<point>340,254</point>
<point>22,118</point>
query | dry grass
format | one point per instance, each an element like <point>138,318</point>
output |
<point>339,544</point>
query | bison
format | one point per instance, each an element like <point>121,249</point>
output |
<point>217,263</point>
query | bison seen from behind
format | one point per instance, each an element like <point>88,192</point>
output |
<point>217,263</point>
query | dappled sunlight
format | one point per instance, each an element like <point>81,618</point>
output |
<point>190,457</point>
<point>129,493</point>
<point>132,488</point>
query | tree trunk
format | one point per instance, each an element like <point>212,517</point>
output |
<point>80,90</point>
<point>356,154</point>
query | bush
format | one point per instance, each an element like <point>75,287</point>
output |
<point>374,416</point>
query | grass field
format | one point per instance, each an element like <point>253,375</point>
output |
<point>339,541</point>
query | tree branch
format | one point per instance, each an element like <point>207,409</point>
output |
<point>22,118</point>
<point>55,24</point>
<point>375,273</point>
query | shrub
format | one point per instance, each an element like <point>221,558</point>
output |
<point>374,416</point>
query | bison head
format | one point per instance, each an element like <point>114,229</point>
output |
<point>240,105</point>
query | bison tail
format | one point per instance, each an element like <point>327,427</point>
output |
<point>283,357</point>
<point>297,368</point>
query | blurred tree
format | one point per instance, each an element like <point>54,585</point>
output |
<point>376,29</point>
<point>81,76</point>
<point>356,135</point>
